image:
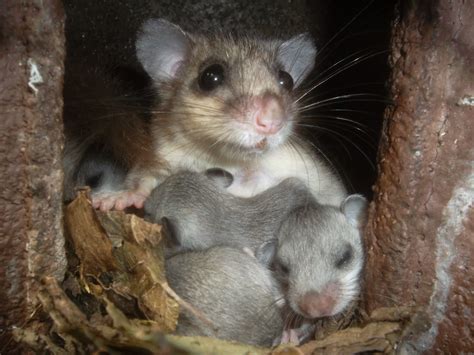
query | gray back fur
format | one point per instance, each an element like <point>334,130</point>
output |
<point>232,289</point>
<point>203,214</point>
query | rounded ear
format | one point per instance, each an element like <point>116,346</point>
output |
<point>171,232</point>
<point>220,176</point>
<point>354,208</point>
<point>297,56</point>
<point>161,48</point>
<point>266,252</point>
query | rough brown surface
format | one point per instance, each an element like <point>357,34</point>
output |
<point>419,235</point>
<point>31,139</point>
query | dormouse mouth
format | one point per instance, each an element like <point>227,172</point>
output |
<point>262,144</point>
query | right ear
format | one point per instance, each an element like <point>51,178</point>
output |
<point>171,232</point>
<point>265,253</point>
<point>354,208</point>
<point>162,48</point>
<point>220,176</point>
<point>297,56</point>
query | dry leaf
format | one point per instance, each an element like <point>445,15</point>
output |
<point>91,243</point>
<point>130,271</point>
<point>381,333</point>
<point>125,335</point>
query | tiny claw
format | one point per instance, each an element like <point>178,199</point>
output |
<point>139,204</point>
<point>294,338</point>
<point>119,200</point>
<point>107,204</point>
<point>289,336</point>
<point>119,205</point>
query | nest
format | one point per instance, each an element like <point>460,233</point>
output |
<point>115,299</point>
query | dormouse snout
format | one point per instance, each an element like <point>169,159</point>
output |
<point>266,114</point>
<point>316,304</point>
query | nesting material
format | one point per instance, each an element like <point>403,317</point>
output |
<point>116,299</point>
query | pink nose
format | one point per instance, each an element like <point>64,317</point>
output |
<point>268,115</point>
<point>319,304</point>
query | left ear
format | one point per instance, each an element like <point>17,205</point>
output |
<point>354,208</point>
<point>220,176</point>
<point>297,56</point>
<point>162,48</point>
<point>265,253</point>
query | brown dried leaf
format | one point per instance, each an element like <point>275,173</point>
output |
<point>141,254</point>
<point>205,346</point>
<point>126,335</point>
<point>144,282</point>
<point>375,336</point>
<point>127,253</point>
<point>89,239</point>
<point>112,223</point>
<point>392,314</point>
<point>286,349</point>
<point>38,342</point>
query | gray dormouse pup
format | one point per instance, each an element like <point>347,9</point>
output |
<point>318,256</point>
<point>232,290</point>
<point>197,212</point>
<point>316,249</point>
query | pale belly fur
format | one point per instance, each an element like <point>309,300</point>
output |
<point>272,168</point>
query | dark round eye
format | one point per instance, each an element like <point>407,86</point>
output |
<point>285,80</point>
<point>211,77</point>
<point>345,258</point>
<point>283,269</point>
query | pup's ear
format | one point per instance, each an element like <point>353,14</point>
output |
<point>266,252</point>
<point>220,176</point>
<point>354,208</point>
<point>170,230</point>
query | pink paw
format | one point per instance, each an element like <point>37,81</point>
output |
<point>296,336</point>
<point>118,200</point>
<point>290,336</point>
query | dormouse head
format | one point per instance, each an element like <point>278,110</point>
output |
<point>238,94</point>
<point>319,255</point>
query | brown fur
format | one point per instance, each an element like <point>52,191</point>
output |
<point>98,113</point>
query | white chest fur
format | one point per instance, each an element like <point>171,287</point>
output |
<point>267,171</point>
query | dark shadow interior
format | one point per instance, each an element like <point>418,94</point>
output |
<point>355,43</point>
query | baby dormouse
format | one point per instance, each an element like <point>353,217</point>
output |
<point>318,256</point>
<point>198,212</point>
<point>232,290</point>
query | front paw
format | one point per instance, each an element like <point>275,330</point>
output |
<point>296,336</point>
<point>287,336</point>
<point>118,200</point>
